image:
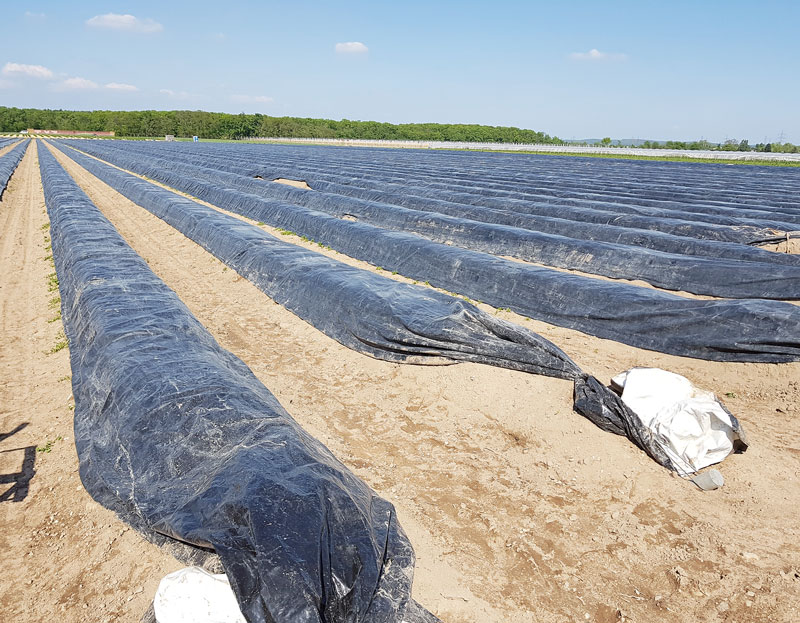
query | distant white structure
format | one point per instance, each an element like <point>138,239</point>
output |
<point>169,137</point>
<point>563,149</point>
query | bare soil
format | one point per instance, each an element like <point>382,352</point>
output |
<point>295,183</point>
<point>519,509</point>
<point>790,245</point>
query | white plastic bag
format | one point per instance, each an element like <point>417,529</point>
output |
<point>192,595</point>
<point>689,423</point>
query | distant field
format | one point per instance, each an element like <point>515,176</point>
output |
<point>628,153</point>
<point>638,153</point>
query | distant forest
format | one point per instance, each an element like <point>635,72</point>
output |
<point>186,123</point>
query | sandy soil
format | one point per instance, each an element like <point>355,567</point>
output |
<point>295,183</point>
<point>519,510</point>
<point>791,245</point>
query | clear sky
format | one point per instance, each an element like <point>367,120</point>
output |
<point>640,69</point>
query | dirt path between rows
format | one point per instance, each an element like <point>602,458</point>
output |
<point>64,557</point>
<point>519,510</point>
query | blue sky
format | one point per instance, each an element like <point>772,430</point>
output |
<point>666,70</point>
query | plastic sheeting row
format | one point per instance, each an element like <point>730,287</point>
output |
<point>551,197</point>
<point>698,275</point>
<point>9,162</point>
<point>604,232</point>
<point>683,187</point>
<point>710,188</point>
<point>373,314</point>
<point>178,437</point>
<point>724,330</point>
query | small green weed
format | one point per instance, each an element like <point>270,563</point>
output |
<point>52,282</point>
<point>45,226</point>
<point>730,395</point>
<point>49,445</point>
<point>61,343</point>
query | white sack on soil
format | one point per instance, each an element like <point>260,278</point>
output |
<point>689,423</point>
<point>192,595</point>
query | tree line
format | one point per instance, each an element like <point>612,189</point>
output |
<point>187,123</point>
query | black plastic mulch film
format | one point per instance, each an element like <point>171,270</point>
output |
<point>477,181</point>
<point>723,330</point>
<point>374,314</point>
<point>733,278</point>
<point>9,162</point>
<point>178,437</point>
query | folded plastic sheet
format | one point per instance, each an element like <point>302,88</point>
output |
<point>722,330</point>
<point>373,314</point>
<point>691,425</point>
<point>698,275</point>
<point>178,437</point>
<point>9,163</point>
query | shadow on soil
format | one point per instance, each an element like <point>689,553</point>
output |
<point>19,481</point>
